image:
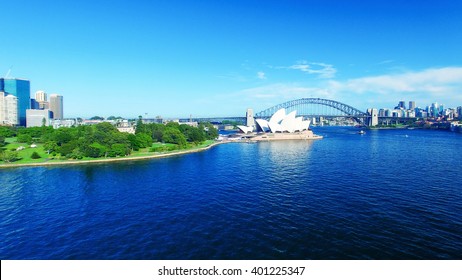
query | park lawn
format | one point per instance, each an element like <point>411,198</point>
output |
<point>26,153</point>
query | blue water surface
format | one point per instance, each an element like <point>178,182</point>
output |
<point>388,194</point>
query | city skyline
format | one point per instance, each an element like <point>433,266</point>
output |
<point>215,58</point>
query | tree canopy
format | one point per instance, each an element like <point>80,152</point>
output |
<point>104,140</point>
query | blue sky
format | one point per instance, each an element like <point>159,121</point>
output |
<point>218,58</point>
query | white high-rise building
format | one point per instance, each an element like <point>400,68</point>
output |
<point>56,106</point>
<point>40,96</point>
<point>8,109</point>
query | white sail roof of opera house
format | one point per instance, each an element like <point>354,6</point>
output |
<point>280,122</point>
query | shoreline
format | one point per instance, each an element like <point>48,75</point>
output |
<point>106,160</point>
<point>143,157</point>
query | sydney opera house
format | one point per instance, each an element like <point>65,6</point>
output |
<point>281,126</point>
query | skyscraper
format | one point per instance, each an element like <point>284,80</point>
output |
<point>40,96</point>
<point>8,109</point>
<point>56,106</point>
<point>434,109</point>
<point>411,105</point>
<point>21,90</point>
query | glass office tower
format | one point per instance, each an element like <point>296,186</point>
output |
<point>21,89</point>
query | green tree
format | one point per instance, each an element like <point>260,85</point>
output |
<point>95,150</point>
<point>7,131</point>
<point>210,131</point>
<point>192,134</point>
<point>105,127</point>
<point>157,132</point>
<point>97,118</point>
<point>119,150</point>
<point>67,149</point>
<point>140,126</point>
<point>62,135</point>
<point>140,140</point>
<point>50,146</point>
<point>9,156</point>
<point>174,136</point>
<point>24,138</point>
<point>144,140</point>
<point>35,155</point>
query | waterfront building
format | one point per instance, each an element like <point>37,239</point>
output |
<point>38,117</point>
<point>8,109</point>
<point>433,111</point>
<point>56,106</point>
<point>382,112</point>
<point>421,113</point>
<point>280,122</point>
<point>411,105</point>
<point>459,112</point>
<point>19,88</point>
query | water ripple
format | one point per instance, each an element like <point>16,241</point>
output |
<point>379,196</point>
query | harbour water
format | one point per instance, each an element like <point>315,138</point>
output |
<point>388,194</point>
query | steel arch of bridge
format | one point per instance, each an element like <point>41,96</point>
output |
<point>347,110</point>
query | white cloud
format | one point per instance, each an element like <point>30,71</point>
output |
<point>323,70</point>
<point>261,75</point>
<point>443,85</point>
<point>428,82</point>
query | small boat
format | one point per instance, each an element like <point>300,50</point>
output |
<point>361,132</point>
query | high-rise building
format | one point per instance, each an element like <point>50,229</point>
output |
<point>401,105</point>
<point>21,90</point>
<point>56,106</point>
<point>441,109</point>
<point>411,105</point>
<point>8,109</point>
<point>434,110</point>
<point>40,96</point>
<point>34,104</point>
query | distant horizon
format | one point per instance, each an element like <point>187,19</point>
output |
<point>218,58</point>
<point>32,95</point>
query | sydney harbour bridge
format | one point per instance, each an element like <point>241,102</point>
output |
<point>306,107</point>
